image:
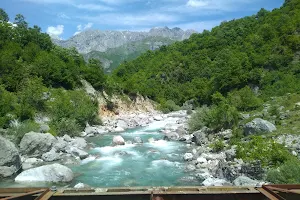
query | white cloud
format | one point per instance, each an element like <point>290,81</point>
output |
<point>50,1</point>
<point>196,3</point>
<point>198,26</point>
<point>88,26</point>
<point>205,7</point>
<point>55,31</point>
<point>63,16</point>
<point>119,2</point>
<point>128,19</point>
<point>95,7</point>
<point>81,28</point>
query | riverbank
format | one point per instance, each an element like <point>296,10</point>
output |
<point>159,151</point>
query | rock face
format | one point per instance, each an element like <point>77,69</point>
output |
<point>118,140</point>
<point>36,144</point>
<point>96,40</point>
<point>104,45</point>
<point>258,125</point>
<point>48,173</point>
<point>200,137</point>
<point>10,161</point>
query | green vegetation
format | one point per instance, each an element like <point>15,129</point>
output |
<point>18,130</point>
<point>288,173</point>
<point>218,146</point>
<point>38,77</point>
<point>244,99</point>
<point>257,51</point>
<point>114,57</point>
<point>168,106</point>
<point>267,151</point>
<point>220,115</point>
<point>233,68</point>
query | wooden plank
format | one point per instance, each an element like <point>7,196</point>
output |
<point>23,195</point>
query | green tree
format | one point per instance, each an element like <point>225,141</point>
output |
<point>20,21</point>
<point>3,16</point>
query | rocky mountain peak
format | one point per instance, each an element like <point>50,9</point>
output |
<point>99,40</point>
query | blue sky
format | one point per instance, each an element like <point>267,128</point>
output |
<point>64,18</point>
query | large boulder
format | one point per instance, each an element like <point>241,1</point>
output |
<point>122,124</point>
<point>245,181</point>
<point>200,137</point>
<point>171,136</point>
<point>118,140</point>
<point>77,152</point>
<point>51,156</point>
<point>78,142</point>
<point>60,144</point>
<point>47,173</point>
<point>258,125</point>
<point>10,161</point>
<point>31,163</point>
<point>36,144</point>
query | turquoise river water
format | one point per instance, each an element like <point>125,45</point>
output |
<point>156,163</point>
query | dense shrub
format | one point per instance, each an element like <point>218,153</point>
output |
<point>8,107</point>
<point>72,105</point>
<point>65,126</point>
<point>267,151</point>
<point>244,99</point>
<point>169,106</point>
<point>220,115</point>
<point>218,145</point>
<point>19,129</point>
<point>288,173</point>
<point>199,118</point>
<point>32,98</point>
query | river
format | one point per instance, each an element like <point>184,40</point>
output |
<point>155,163</point>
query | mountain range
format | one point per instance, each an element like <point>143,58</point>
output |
<point>114,47</point>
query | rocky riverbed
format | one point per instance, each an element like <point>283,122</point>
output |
<point>156,149</point>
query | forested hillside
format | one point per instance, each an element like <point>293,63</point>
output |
<point>260,51</point>
<point>113,57</point>
<point>38,81</point>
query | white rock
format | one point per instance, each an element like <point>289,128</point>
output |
<point>33,160</point>
<point>67,138</point>
<point>119,129</point>
<point>158,118</point>
<point>79,143</point>
<point>79,186</point>
<point>77,152</point>
<point>51,156</point>
<point>188,156</point>
<point>194,151</point>
<point>35,144</point>
<point>214,156</point>
<point>122,124</point>
<point>118,140</point>
<point>201,160</point>
<point>48,173</point>
<point>245,181</point>
<point>214,182</point>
